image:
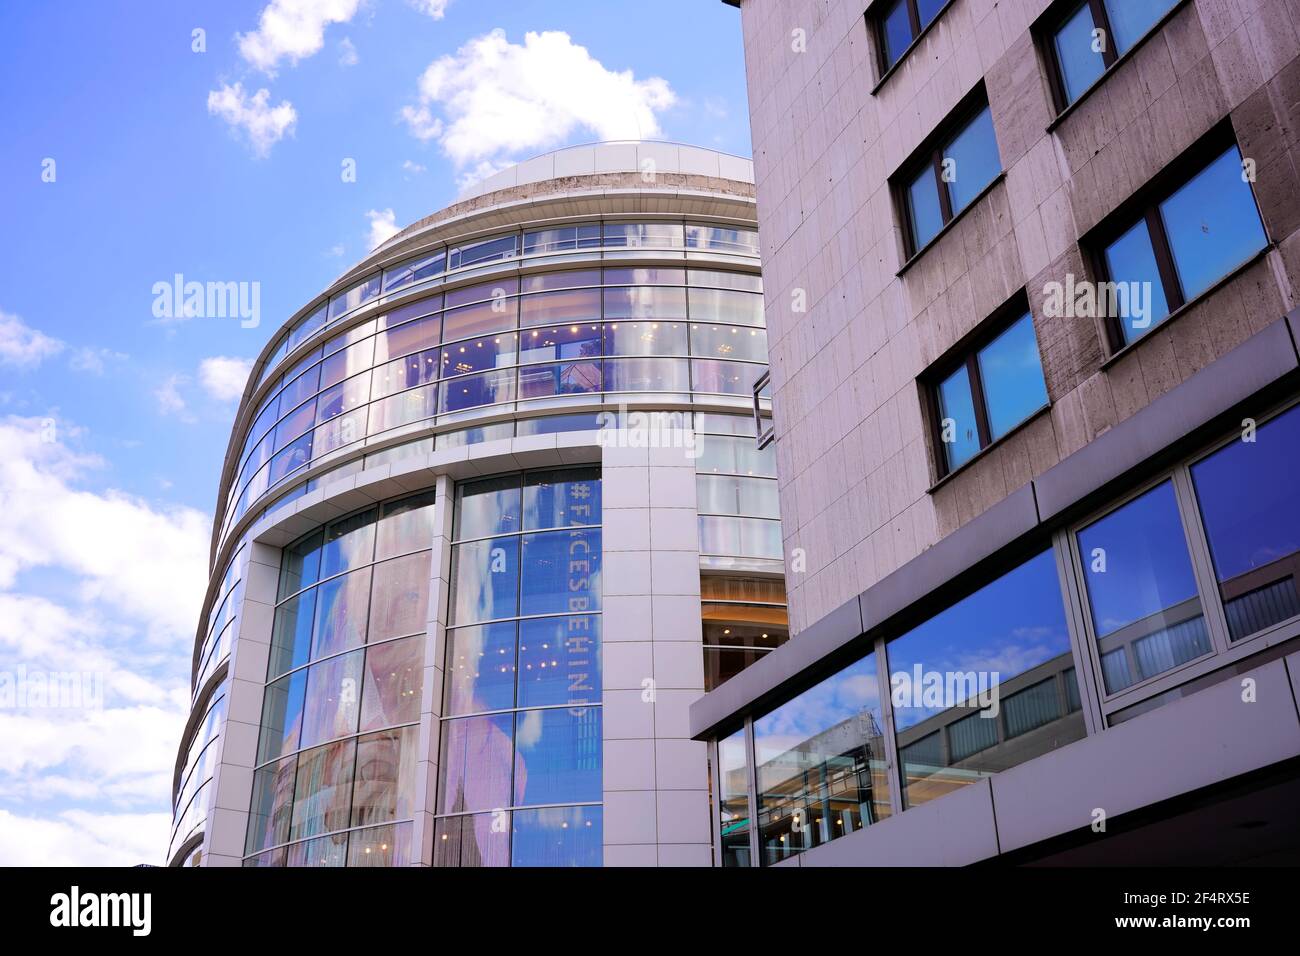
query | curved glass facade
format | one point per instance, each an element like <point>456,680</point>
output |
<point>508,345</point>
<point>338,747</point>
<point>521,733</point>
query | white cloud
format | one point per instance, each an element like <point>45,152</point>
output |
<point>90,784</point>
<point>292,29</point>
<point>335,251</point>
<point>383,226</point>
<point>480,171</point>
<point>500,98</point>
<point>263,124</point>
<point>22,345</point>
<point>94,360</point>
<point>224,377</point>
<point>348,53</point>
<point>413,168</point>
<point>169,398</point>
<point>432,8</point>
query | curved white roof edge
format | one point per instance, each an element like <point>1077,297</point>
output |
<point>617,156</point>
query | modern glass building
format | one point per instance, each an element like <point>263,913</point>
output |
<point>492,515</point>
<point>1033,319</point>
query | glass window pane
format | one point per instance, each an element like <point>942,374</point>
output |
<point>952,676</point>
<point>647,375</point>
<point>484,250</point>
<point>407,525</point>
<point>1246,491</point>
<point>333,692</point>
<point>897,29</point>
<point>322,795</point>
<point>306,328</point>
<point>348,362</point>
<point>1141,592</point>
<point>295,423</point>
<point>418,368</point>
<point>384,788</point>
<point>923,207</point>
<point>403,408</point>
<point>291,634</point>
<point>729,342</point>
<point>728,495</point>
<point>974,160</point>
<point>733,803</point>
<point>560,499</point>
<point>564,378</point>
<point>561,572</point>
<point>558,836</point>
<point>1213,225</point>
<point>570,279</point>
<point>481,668</point>
<point>725,378</point>
<point>1080,64</point>
<point>1012,375</point>
<point>484,580</point>
<point>381,846</point>
<point>547,344</point>
<point>341,613</point>
<point>561,308</point>
<point>471,391</point>
<point>348,543</point>
<point>328,851</point>
<point>958,431</point>
<point>477,761</point>
<point>1131,264</point>
<point>494,315</point>
<point>355,296</point>
<point>645,302</point>
<point>394,679</point>
<point>281,716</point>
<point>645,338</point>
<point>473,840</point>
<point>483,292</point>
<point>401,601</point>
<point>725,305</point>
<point>1131,19</point>
<point>272,805</point>
<point>821,764</point>
<point>652,235</point>
<point>410,337</point>
<point>488,507</point>
<point>559,756</point>
<point>559,661</point>
<point>479,355</point>
<point>294,456</point>
<point>414,270</point>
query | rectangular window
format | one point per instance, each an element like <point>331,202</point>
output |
<point>898,24</point>
<point>733,800</point>
<point>948,173</point>
<point>994,388</point>
<point>1089,38</point>
<point>1178,244</point>
<point>953,680</point>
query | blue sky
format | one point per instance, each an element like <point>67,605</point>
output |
<point>113,422</point>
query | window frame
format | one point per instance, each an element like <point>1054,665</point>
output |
<point>965,354</point>
<point>1144,206</point>
<point>930,155</point>
<point>875,17</point>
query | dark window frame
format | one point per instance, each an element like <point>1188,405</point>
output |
<point>965,354</point>
<point>930,153</point>
<point>1144,205</point>
<point>875,17</point>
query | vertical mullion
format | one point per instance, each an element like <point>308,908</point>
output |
<point>893,766</point>
<point>1101,20</point>
<point>945,200</point>
<point>1198,549</point>
<point>1164,259</point>
<point>751,766</point>
<point>978,399</point>
<point>715,785</point>
<point>1086,666</point>
<point>914,16</point>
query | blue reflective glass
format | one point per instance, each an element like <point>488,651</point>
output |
<point>561,572</point>
<point>897,27</point>
<point>1246,492</point>
<point>1012,376</point>
<point>481,668</point>
<point>1130,20</point>
<point>923,207</point>
<point>973,159</point>
<point>1141,591</point>
<point>559,756</point>
<point>560,499</point>
<point>559,661</point>
<point>1131,261</point>
<point>1213,225</point>
<point>959,433</point>
<point>348,543</point>
<point>557,836</point>
<point>951,677</point>
<point>487,507</point>
<point>1080,64</point>
<point>282,716</point>
<point>485,580</point>
<point>291,633</point>
<point>477,763</point>
<point>341,606</point>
